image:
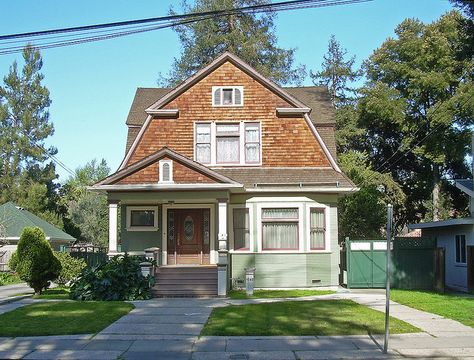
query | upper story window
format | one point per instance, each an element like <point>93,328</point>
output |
<point>166,171</point>
<point>227,95</point>
<point>228,143</point>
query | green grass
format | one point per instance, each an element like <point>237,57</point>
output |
<point>59,293</point>
<point>269,294</point>
<point>321,317</point>
<point>9,278</point>
<point>454,307</point>
<point>62,318</point>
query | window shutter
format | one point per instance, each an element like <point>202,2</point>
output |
<point>217,97</point>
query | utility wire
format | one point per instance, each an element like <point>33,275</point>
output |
<point>83,32</point>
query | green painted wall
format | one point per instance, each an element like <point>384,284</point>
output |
<point>284,270</point>
<point>139,240</point>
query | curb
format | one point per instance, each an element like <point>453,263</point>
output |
<point>15,298</point>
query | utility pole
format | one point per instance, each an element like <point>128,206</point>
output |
<point>387,288</point>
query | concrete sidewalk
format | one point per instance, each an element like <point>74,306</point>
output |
<point>8,291</point>
<point>170,328</point>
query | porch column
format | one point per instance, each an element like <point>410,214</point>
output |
<point>113,215</point>
<point>222,249</point>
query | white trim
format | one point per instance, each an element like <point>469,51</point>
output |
<point>222,87</point>
<point>327,225</point>
<point>158,186</point>
<point>170,164</point>
<point>213,256</point>
<point>141,228</point>
<point>163,112</point>
<point>360,246</point>
<point>135,143</point>
<point>297,188</point>
<point>213,127</point>
<point>293,111</point>
<point>231,228</point>
<point>322,144</point>
<point>278,205</point>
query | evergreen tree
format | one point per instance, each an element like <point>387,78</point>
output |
<point>249,36</point>
<point>336,73</point>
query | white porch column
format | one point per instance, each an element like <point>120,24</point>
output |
<point>113,215</point>
<point>222,249</point>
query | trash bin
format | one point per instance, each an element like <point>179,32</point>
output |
<point>249,280</point>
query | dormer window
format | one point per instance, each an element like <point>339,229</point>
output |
<point>166,171</point>
<point>227,95</point>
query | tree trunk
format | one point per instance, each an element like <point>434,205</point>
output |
<point>436,186</point>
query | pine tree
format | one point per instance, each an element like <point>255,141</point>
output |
<point>249,36</point>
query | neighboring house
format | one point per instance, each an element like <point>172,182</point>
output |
<point>456,236</point>
<point>13,219</point>
<point>231,171</point>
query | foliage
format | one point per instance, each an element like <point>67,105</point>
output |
<point>456,307</point>
<point>26,178</point>
<point>362,215</point>
<point>249,36</point>
<point>418,105</point>
<point>118,279</point>
<point>62,318</point>
<point>336,73</point>
<point>34,260</point>
<point>272,294</point>
<point>86,212</point>
<point>9,278</point>
<point>70,267</point>
<point>296,318</point>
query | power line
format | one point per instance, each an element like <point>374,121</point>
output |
<point>82,33</point>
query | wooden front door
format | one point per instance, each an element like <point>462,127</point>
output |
<point>188,236</point>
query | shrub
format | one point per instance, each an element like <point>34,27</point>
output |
<point>34,260</point>
<point>70,267</point>
<point>118,279</point>
<point>7,278</point>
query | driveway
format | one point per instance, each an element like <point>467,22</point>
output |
<point>169,329</point>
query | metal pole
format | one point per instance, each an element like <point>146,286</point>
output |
<point>387,288</point>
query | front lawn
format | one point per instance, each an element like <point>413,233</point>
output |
<point>59,293</point>
<point>62,318</point>
<point>270,294</point>
<point>454,307</point>
<point>295,318</point>
<point>9,278</point>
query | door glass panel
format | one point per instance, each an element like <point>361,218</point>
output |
<point>188,228</point>
<point>205,225</point>
<point>171,228</point>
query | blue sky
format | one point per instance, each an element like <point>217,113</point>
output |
<point>92,85</point>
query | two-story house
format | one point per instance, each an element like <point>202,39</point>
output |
<point>225,172</point>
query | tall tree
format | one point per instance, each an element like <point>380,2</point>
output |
<point>249,36</point>
<point>418,104</point>
<point>337,73</point>
<point>24,127</point>
<point>86,212</point>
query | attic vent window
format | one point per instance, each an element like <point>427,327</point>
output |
<point>166,171</point>
<point>227,95</point>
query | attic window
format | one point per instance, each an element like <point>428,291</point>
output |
<point>227,96</point>
<point>166,171</point>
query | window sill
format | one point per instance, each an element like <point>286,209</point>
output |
<point>142,228</point>
<point>463,265</point>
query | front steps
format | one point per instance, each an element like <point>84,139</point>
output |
<point>185,281</point>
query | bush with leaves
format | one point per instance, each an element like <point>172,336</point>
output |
<point>118,279</point>
<point>34,260</point>
<point>70,267</point>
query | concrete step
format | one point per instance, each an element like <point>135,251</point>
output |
<point>179,281</point>
<point>183,293</point>
<point>186,281</point>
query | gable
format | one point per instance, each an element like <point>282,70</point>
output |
<point>286,141</point>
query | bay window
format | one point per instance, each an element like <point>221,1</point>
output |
<point>280,229</point>
<point>317,230</point>
<point>241,229</point>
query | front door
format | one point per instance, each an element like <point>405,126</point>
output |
<point>188,236</point>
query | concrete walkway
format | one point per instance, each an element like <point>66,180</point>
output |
<point>169,329</point>
<point>8,291</point>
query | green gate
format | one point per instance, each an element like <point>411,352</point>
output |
<point>366,263</point>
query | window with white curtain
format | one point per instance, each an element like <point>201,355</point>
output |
<point>236,143</point>
<point>227,96</point>
<point>203,143</point>
<point>317,231</point>
<point>227,143</point>
<point>241,229</point>
<point>280,229</point>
